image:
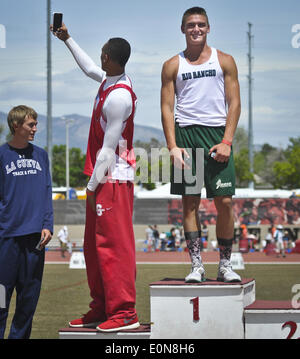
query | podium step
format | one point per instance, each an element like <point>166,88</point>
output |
<point>272,320</point>
<point>207,310</point>
<point>143,332</point>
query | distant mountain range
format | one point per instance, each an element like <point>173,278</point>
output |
<point>78,131</point>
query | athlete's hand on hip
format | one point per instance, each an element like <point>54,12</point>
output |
<point>222,152</point>
<point>178,155</point>
<point>91,198</point>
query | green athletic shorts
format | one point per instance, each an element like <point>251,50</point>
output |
<point>218,178</point>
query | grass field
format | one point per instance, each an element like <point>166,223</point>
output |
<point>65,293</point>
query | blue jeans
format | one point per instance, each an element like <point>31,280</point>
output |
<point>21,268</point>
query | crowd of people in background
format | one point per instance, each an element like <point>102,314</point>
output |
<point>277,240</point>
<point>172,240</point>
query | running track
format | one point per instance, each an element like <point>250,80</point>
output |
<point>183,257</point>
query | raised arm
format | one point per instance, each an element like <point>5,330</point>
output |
<point>86,64</point>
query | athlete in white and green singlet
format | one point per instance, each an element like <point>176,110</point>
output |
<point>204,82</point>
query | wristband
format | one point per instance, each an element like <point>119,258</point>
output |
<point>90,193</point>
<point>227,142</point>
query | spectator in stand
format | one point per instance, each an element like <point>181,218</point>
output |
<point>149,237</point>
<point>269,237</point>
<point>155,234</point>
<point>244,231</point>
<point>163,241</point>
<point>279,240</point>
<point>204,233</point>
<point>171,241</point>
<point>177,237</point>
<point>286,240</point>
<point>63,237</point>
<point>244,243</point>
<point>273,230</point>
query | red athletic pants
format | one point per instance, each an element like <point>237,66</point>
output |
<point>109,249</point>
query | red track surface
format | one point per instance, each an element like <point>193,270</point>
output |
<point>183,257</point>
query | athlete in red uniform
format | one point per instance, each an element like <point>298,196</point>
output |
<point>109,244</point>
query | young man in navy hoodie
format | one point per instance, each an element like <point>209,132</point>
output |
<point>26,220</point>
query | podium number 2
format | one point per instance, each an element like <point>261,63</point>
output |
<point>293,328</point>
<point>195,303</point>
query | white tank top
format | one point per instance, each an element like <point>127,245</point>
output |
<point>200,93</point>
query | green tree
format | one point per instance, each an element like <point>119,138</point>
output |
<point>241,158</point>
<point>154,143</point>
<point>242,168</point>
<point>76,164</point>
<point>287,172</point>
<point>264,162</point>
<point>240,140</point>
<point>77,161</point>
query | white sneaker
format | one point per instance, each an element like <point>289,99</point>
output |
<point>196,275</point>
<point>226,274</point>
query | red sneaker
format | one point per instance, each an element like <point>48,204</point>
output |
<point>114,325</point>
<point>89,320</point>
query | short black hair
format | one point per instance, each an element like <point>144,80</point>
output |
<point>194,11</point>
<point>118,50</point>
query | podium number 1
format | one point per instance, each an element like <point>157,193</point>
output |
<point>195,302</point>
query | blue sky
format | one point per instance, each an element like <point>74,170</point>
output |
<point>153,29</point>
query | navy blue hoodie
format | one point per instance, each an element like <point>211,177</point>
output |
<point>25,191</point>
